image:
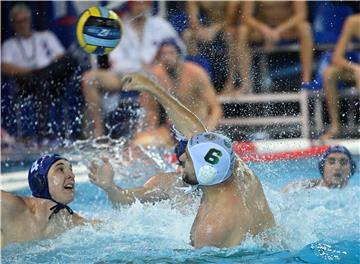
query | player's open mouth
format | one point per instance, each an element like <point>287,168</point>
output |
<point>69,186</point>
<point>337,175</point>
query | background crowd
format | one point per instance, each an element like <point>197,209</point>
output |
<point>199,51</point>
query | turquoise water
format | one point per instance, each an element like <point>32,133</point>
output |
<point>314,226</point>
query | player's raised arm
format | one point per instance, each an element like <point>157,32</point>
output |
<point>184,120</point>
<point>11,205</point>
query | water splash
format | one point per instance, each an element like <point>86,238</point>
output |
<point>317,225</point>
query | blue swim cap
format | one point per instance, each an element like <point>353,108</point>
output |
<point>37,177</point>
<point>213,157</point>
<point>336,149</point>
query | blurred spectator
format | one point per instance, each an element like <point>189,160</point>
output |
<point>207,36</point>
<point>137,49</point>
<point>38,62</point>
<point>187,82</point>
<point>336,167</point>
<point>271,22</point>
<point>340,69</point>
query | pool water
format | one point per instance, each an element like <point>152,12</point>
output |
<point>314,226</point>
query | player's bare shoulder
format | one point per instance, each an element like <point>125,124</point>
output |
<point>243,172</point>
<point>14,205</point>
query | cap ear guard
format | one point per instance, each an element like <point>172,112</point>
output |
<point>206,175</point>
<point>38,184</point>
<point>212,156</point>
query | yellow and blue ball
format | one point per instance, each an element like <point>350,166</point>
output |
<point>99,30</point>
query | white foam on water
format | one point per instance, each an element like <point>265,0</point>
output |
<point>309,215</point>
<point>138,229</point>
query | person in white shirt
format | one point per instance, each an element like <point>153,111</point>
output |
<point>37,61</point>
<point>137,49</point>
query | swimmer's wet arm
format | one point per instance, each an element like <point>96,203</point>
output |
<point>11,206</point>
<point>154,190</point>
<point>119,196</point>
<point>103,177</point>
<point>79,220</point>
<point>184,120</point>
<point>291,186</point>
<point>305,184</point>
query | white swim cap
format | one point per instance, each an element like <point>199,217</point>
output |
<point>213,157</point>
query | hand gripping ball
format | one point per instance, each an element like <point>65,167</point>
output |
<point>99,30</point>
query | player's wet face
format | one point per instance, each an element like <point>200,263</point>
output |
<point>168,56</point>
<point>61,181</point>
<point>336,170</point>
<point>22,23</point>
<point>188,173</point>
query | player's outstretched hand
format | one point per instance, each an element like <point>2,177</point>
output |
<point>102,175</point>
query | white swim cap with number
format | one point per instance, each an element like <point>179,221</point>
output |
<point>213,157</point>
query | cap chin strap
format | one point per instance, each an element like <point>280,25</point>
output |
<point>58,207</point>
<point>177,134</point>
